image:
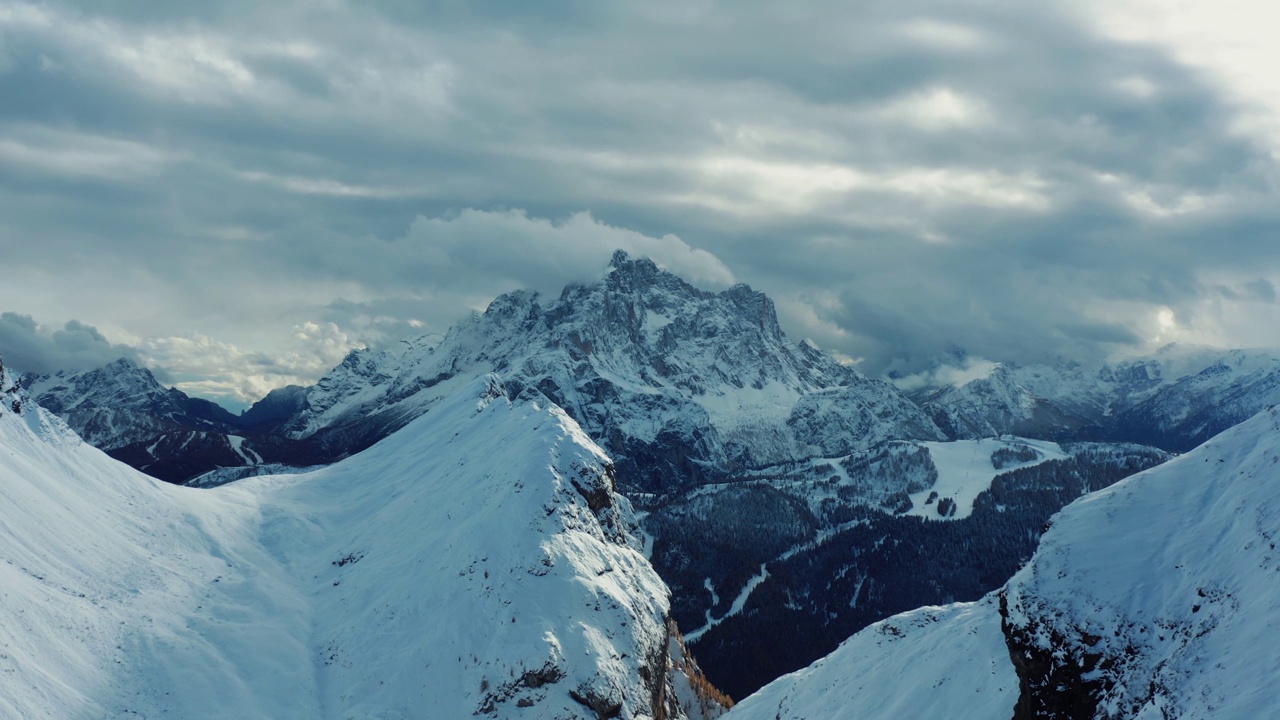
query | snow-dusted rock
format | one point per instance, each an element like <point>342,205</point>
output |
<point>122,403</point>
<point>681,386</point>
<point>1183,413</point>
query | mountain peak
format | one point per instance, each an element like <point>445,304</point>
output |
<point>121,364</point>
<point>620,258</point>
<point>636,269</point>
<point>680,384</point>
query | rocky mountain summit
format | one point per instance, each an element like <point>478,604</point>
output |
<point>681,386</point>
<point>122,403</point>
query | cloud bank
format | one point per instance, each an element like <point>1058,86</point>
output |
<point>29,347</point>
<point>906,178</point>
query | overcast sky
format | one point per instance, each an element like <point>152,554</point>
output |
<point>238,193</point>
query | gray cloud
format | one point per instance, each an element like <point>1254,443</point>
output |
<point>1261,289</point>
<point>905,178</point>
<point>30,348</point>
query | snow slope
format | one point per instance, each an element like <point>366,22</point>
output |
<point>477,562</point>
<point>947,662</point>
<point>1158,597</point>
<point>1154,594</point>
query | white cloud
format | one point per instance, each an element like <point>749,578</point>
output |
<point>972,368</point>
<point>329,186</point>
<point>934,109</point>
<point>199,67</point>
<point>1137,87</point>
<point>80,154</point>
<point>208,367</point>
<point>1160,202</point>
<point>511,247</point>
<point>943,35</point>
<point>756,186</point>
<point>1233,40</point>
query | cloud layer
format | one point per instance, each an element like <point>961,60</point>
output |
<point>908,178</point>
<point>28,347</point>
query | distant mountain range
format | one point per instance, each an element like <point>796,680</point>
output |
<point>682,387</point>
<point>123,410</point>
<point>1175,399</point>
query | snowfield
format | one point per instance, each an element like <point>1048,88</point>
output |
<point>475,563</point>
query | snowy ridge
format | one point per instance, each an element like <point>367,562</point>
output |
<point>681,386</point>
<point>1168,625</point>
<point>947,662</point>
<point>1145,600</point>
<point>476,563</point>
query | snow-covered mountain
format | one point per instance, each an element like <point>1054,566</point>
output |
<point>1046,401</point>
<point>123,409</point>
<point>679,385</point>
<point>1155,598</point>
<point>476,563</point>
<point>122,403</point>
<point>1180,415</point>
<point>1175,399</point>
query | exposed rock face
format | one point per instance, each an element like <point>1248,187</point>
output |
<point>11,395</point>
<point>1050,683</point>
<point>271,411</point>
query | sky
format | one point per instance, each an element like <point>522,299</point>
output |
<point>236,194</point>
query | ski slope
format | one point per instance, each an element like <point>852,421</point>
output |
<point>965,471</point>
